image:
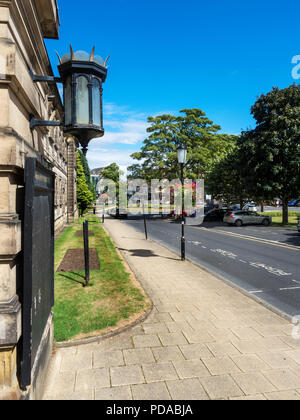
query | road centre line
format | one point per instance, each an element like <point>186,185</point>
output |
<point>251,238</point>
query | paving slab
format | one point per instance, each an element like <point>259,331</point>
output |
<point>116,393</point>
<point>126,375</point>
<point>159,372</point>
<point>107,358</point>
<point>187,390</point>
<point>153,391</point>
<point>223,386</point>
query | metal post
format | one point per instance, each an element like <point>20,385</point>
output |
<point>182,217</point>
<point>145,222</point>
<point>86,252</point>
<point>103,214</point>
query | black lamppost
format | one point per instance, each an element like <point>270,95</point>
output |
<point>82,75</point>
<point>182,159</point>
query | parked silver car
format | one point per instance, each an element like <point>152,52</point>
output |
<point>239,218</point>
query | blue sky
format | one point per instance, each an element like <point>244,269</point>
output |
<point>166,55</point>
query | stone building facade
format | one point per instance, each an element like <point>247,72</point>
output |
<point>23,26</point>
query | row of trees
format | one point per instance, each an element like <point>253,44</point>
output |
<point>260,164</point>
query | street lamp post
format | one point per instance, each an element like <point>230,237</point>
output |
<point>182,158</point>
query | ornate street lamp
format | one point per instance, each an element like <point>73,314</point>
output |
<point>182,159</point>
<point>82,75</point>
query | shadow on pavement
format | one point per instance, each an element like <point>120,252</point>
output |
<point>145,253</point>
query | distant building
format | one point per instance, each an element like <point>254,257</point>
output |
<point>96,175</point>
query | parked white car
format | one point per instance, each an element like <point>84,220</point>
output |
<point>250,207</point>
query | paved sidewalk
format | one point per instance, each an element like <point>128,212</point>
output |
<point>203,340</point>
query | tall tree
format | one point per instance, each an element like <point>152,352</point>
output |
<point>87,173</point>
<point>158,155</point>
<point>225,181</point>
<point>271,152</point>
<point>84,195</point>
<point>112,172</point>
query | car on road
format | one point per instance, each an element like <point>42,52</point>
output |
<point>235,207</point>
<point>295,203</point>
<point>118,212</point>
<point>240,218</point>
<point>215,215</point>
<point>250,207</point>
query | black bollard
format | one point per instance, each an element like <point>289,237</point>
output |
<point>145,223</point>
<point>86,252</point>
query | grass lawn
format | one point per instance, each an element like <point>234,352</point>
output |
<point>113,295</point>
<point>277,218</point>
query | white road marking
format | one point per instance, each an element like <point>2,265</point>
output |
<point>225,253</point>
<point>290,288</point>
<point>272,270</point>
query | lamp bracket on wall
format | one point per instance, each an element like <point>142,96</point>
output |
<point>41,123</point>
<point>47,79</point>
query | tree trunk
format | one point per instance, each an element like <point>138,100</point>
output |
<point>285,211</point>
<point>241,202</point>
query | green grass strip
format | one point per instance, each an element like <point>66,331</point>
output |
<point>80,311</point>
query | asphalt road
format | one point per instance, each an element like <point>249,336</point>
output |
<point>269,208</point>
<point>264,261</point>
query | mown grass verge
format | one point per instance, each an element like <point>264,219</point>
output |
<point>277,218</point>
<point>113,298</point>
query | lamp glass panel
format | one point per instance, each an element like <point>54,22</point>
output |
<point>96,103</point>
<point>68,102</point>
<point>182,155</point>
<point>82,101</point>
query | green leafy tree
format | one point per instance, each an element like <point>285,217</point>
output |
<point>87,173</point>
<point>225,180</point>
<point>113,173</point>
<point>84,195</point>
<point>158,155</point>
<point>271,152</point>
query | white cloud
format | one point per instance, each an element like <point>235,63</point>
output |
<point>126,132</point>
<point>123,126</point>
<point>102,157</point>
<point>124,129</point>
